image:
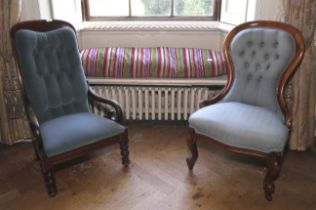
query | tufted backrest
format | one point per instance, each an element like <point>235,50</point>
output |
<point>259,58</point>
<point>52,73</point>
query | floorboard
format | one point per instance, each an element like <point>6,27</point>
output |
<point>157,179</point>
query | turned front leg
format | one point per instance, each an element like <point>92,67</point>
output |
<point>124,149</point>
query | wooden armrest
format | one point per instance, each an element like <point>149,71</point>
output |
<point>218,97</point>
<point>32,118</point>
<point>210,101</point>
<point>288,117</point>
<point>118,113</point>
<point>33,121</point>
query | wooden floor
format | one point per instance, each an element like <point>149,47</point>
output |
<point>157,178</point>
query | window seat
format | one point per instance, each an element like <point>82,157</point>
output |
<point>155,82</point>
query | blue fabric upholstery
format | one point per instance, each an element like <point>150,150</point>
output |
<point>72,131</point>
<point>259,57</point>
<point>52,72</point>
<point>241,125</point>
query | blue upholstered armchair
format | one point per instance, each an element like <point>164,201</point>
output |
<point>250,115</point>
<point>58,98</point>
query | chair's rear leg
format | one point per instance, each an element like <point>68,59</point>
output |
<point>36,149</point>
<point>50,182</point>
<point>124,149</point>
<point>274,162</point>
<point>191,141</point>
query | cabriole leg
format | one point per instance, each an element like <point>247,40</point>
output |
<point>274,162</point>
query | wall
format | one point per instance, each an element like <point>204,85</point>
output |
<point>269,10</point>
<point>30,10</point>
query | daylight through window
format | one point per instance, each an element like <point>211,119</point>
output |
<point>151,9</point>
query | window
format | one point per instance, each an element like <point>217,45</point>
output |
<point>69,10</point>
<point>151,9</point>
<point>236,12</point>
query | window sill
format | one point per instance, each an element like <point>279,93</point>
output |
<point>154,26</point>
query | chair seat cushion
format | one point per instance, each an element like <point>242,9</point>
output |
<point>241,125</point>
<point>73,131</point>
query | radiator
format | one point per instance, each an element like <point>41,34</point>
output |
<point>155,103</point>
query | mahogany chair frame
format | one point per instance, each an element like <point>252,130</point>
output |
<point>111,109</point>
<point>274,159</point>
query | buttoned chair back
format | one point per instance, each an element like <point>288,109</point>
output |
<point>260,57</point>
<point>52,73</point>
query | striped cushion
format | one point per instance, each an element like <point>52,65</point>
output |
<point>161,62</point>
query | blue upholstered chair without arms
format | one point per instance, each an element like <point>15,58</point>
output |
<point>250,116</point>
<point>58,99</point>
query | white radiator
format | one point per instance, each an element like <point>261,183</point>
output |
<point>156,103</point>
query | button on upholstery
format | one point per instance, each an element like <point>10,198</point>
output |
<point>259,79</point>
<point>249,77</point>
<point>246,65</point>
<point>275,44</point>
<point>241,53</point>
<point>266,56</point>
<point>249,43</point>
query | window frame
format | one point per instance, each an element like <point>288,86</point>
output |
<point>86,16</point>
